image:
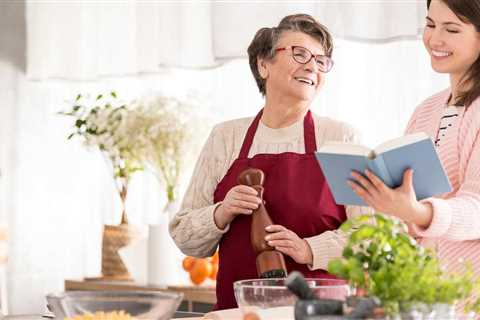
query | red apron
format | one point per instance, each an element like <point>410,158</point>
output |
<point>297,196</point>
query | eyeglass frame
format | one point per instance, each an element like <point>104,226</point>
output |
<point>311,56</point>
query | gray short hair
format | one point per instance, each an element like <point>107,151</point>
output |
<point>265,40</point>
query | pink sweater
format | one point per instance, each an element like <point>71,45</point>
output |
<point>455,229</point>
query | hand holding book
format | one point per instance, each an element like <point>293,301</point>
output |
<point>388,162</point>
<point>400,202</point>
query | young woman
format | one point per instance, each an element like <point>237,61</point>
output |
<point>449,223</point>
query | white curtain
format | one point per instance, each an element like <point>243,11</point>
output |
<point>89,39</point>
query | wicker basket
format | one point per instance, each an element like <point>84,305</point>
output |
<point>114,238</point>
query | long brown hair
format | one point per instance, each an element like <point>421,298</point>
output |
<point>467,11</point>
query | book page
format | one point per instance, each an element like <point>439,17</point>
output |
<point>344,148</point>
<point>401,141</point>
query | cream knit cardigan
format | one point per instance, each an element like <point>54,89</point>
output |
<point>193,228</point>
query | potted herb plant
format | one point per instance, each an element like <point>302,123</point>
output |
<point>381,260</point>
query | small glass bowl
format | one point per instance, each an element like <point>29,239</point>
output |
<point>138,304</point>
<point>257,294</point>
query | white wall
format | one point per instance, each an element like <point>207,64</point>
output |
<point>12,63</point>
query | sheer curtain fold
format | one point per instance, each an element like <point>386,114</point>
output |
<point>85,40</point>
<point>80,41</point>
<point>373,21</point>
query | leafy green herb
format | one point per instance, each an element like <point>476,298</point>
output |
<point>383,260</point>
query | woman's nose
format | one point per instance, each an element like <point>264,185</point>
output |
<point>435,39</point>
<point>311,66</point>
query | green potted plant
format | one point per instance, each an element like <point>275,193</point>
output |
<point>106,123</point>
<point>383,261</point>
<point>156,132</point>
<point>172,131</point>
<point>171,134</point>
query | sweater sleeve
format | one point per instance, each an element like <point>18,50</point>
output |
<point>458,218</point>
<point>329,244</point>
<point>193,228</point>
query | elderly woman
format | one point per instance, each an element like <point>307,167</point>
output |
<point>289,63</point>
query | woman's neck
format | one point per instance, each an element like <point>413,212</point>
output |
<point>279,115</point>
<point>457,86</point>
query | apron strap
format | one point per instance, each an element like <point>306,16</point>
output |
<point>247,142</point>
<point>308,134</point>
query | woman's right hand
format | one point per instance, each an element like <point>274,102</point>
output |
<point>239,200</point>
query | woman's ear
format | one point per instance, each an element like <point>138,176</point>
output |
<point>262,68</point>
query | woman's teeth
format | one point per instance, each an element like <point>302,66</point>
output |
<point>304,80</point>
<point>441,53</point>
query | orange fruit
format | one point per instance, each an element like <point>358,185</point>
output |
<point>213,274</point>
<point>215,258</point>
<point>188,263</point>
<point>196,279</point>
<point>251,316</point>
<point>202,268</point>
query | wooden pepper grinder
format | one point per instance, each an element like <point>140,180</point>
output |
<point>270,262</point>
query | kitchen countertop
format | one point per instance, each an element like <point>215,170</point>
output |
<point>40,317</point>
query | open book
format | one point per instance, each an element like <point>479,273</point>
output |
<point>388,161</point>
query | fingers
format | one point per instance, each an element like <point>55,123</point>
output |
<point>287,242</point>
<point>281,243</point>
<point>293,251</point>
<point>377,182</point>
<point>237,210</point>
<point>275,228</point>
<point>244,194</point>
<point>245,204</point>
<point>358,189</point>
<point>241,200</point>
<point>245,189</point>
<point>282,240</point>
<point>280,235</point>
<point>408,178</point>
<point>363,182</point>
<point>232,206</point>
<point>246,198</point>
<point>286,250</point>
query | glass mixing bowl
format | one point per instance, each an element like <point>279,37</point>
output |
<point>257,294</point>
<point>138,304</point>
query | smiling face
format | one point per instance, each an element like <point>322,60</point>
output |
<point>453,45</point>
<point>287,79</point>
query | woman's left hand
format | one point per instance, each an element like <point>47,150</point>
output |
<point>400,202</point>
<point>289,243</point>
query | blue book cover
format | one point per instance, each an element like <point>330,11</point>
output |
<point>388,161</point>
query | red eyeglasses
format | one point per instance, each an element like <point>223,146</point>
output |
<point>303,55</point>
